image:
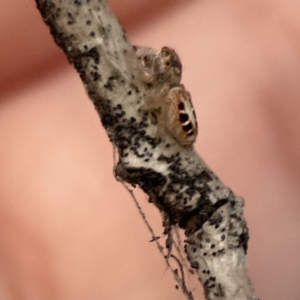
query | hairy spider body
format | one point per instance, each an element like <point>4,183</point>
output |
<point>162,72</point>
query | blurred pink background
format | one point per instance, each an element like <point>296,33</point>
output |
<point>68,230</point>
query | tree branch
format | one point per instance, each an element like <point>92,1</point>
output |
<point>176,179</point>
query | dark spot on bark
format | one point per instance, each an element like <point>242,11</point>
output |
<point>94,54</point>
<point>96,76</point>
<point>108,85</point>
<point>195,265</point>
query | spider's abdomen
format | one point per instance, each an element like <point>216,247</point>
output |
<point>179,116</point>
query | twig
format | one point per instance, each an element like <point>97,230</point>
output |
<point>182,281</point>
<point>176,179</point>
<point>179,279</point>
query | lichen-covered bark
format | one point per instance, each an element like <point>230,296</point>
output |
<point>176,179</point>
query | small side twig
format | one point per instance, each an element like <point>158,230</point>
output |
<point>181,281</point>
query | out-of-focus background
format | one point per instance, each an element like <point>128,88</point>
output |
<point>68,230</point>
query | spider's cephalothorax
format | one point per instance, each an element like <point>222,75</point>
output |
<point>170,67</point>
<point>178,116</point>
<point>162,67</point>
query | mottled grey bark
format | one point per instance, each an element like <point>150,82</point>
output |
<point>176,179</point>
